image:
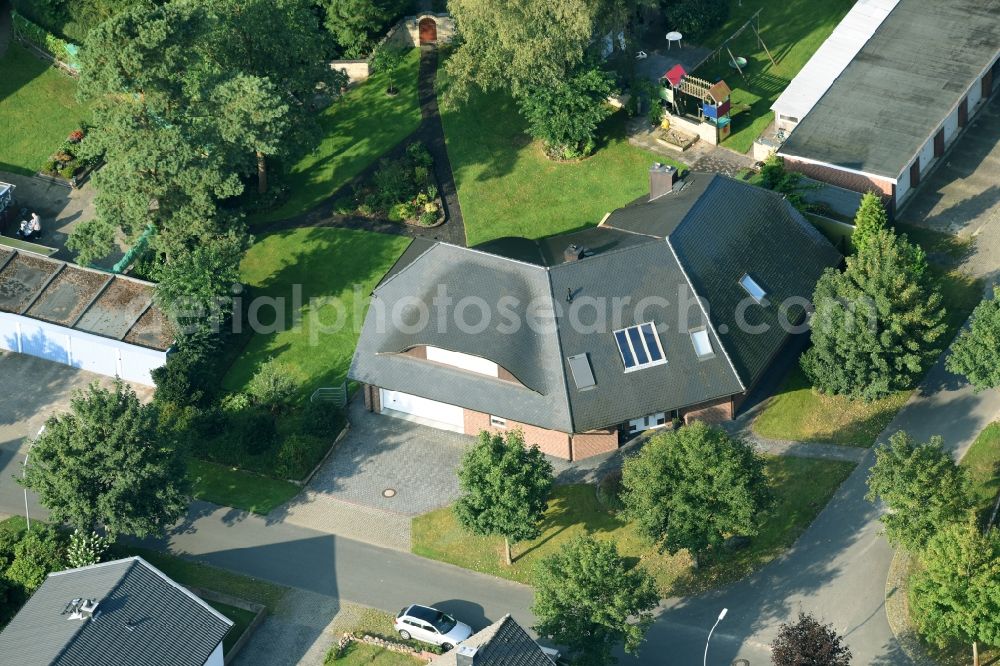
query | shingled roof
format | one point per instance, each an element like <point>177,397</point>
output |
<point>503,643</point>
<point>675,262</point>
<point>142,617</point>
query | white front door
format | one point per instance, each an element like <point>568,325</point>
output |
<point>451,416</point>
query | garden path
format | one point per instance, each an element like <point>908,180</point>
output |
<point>431,134</point>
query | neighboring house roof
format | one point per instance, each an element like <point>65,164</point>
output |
<point>833,55</point>
<point>648,262</point>
<point>503,643</point>
<point>907,78</point>
<point>142,617</point>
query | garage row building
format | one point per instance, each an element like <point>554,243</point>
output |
<point>889,91</point>
<point>673,307</point>
<point>88,319</point>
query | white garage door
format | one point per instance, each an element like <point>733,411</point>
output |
<point>444,415</point>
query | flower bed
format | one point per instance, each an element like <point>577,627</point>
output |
<point>402,189</point>
<point>66,162</point>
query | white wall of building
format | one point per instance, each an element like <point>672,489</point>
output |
<point>951,127</point>
<point>468,362</point>
<point>216,659</point>
<point>78,349</point>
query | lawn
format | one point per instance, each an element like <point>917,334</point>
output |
<point>241,620</point>
<point>802,488</point>
<point>227,486</point>
<point>320,280</point>
<point>363,620</point>
<point>800,414</point>
<point>507,187</point>
<point>983,462</point>
<point>792,30</point>
<point>39,109</point>
<point>356,654</point>
<point>358,128</point>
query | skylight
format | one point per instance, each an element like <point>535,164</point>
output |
<point>579,365</point>
<point>756,292</point>
<point>702,343</point>
<point>639,347</point>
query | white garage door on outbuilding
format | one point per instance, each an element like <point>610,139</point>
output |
<point>431,412</point>
<point>87,319</point>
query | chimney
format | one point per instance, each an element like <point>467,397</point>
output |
<point>465,655</point>
<point>574,253</point>
<point>82,609</point>
<point>661,180</point>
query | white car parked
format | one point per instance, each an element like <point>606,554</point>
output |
<point>430,625</point>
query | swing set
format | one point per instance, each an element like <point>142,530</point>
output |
<point>752,23</point>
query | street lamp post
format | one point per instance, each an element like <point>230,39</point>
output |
<point>24,473</point>
<point>721,615</point>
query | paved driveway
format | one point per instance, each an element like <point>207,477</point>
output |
<point>381,452</point>
<point>962,195</point>
<point>32,390</point>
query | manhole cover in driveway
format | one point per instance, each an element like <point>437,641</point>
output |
<point>389,492</point>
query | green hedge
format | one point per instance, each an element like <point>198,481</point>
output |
<point>61,50</point>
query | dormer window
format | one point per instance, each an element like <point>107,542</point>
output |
<point>750,285</point>
<point>639,347</point>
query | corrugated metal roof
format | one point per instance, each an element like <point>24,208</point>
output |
<point>830,59</point>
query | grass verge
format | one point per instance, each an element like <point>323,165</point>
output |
<point>358,128</point>
<point>508,187</point>
<point>799,414</point>
<point>39,109</point>
<point>363,620</point>
<point>241,621</point>
<point>228,486</point>
<point>802,487</point>
<point>319,280</point>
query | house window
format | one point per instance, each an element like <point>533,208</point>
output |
<point>702,343</point>
<point>497,422</point>
<point>756,292</point>
<point>639,347</point>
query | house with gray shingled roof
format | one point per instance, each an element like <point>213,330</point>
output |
<point>119,613</point>
<point>503,643</point>
<point>673,307</point>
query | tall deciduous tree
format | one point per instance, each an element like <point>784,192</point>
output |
<point>565,116</point>
<point>807,642</point>
<point>589,599</point>
<point>956,593</point>
<point>505,488</point>
<point>922,487</point>
<point>877,323</point>
<point>976,352</point>
<point>357,24</point>
<point>100,464</point>
<point>692,487</point>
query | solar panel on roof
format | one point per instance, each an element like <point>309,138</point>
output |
<point>639,346</point>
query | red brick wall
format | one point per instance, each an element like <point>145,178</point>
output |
<point>551,442</point>
<point>595,442</point>
<point>716,411</point>
<point>847,180</point>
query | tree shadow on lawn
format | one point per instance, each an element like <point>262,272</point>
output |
<point>307,279</point>
<point>484,136</point>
